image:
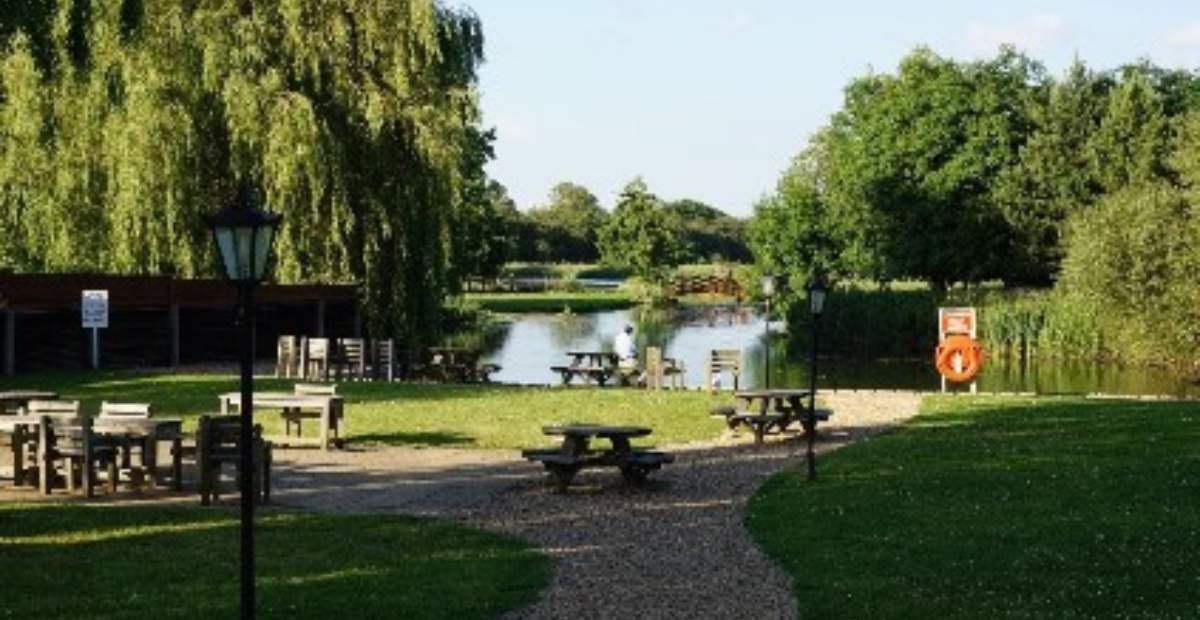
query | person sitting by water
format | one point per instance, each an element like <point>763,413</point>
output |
<point>626,351</point>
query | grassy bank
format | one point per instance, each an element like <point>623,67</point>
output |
<point>468,416</point>
<point>552,301</point>
<point>70,561</point>
<point>999,509</point>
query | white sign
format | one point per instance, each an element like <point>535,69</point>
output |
<point>95,309</point>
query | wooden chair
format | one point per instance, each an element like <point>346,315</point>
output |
<point>127,445</point>
<point>295,416</point>
<point>218,443</point>
<point>352,358</point>
<point>67,408</point>
<point>71,441</point>
<point>721,361</point>
<point>287,357</point>
<point>317,353</point>
<point>381,363</point>
<point>661,371</point>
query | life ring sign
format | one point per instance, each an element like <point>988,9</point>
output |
<point>958,358</point>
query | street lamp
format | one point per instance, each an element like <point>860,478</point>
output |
<point>816,305</point>
<point>768,291</point>
<point>244,234</point>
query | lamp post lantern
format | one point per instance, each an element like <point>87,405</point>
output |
<point>816,305</point>
<point>244,235</point>
<point>768,291</point>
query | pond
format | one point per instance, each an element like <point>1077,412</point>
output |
<point>532,343</point>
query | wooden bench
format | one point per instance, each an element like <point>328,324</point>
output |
<point>635,465</point>
<point>762,423</point>
<point>598,374</point>
<point>483,371</point>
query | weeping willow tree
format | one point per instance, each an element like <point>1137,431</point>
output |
<point>123,122</point>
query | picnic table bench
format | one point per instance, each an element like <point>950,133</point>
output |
<point>575,453</point>
<point>764,411</point>
<point>590,366</point>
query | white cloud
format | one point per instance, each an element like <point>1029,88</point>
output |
<point>1038,33</point>
<point>1188,36</point>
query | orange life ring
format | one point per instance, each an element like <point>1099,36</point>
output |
<point>967,351</point>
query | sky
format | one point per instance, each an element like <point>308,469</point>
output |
<point>711,99</point>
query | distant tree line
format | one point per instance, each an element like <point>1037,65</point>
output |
<point>965,172</point>
<point>642,233</point>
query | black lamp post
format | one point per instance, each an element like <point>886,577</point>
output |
<point>816,304</point>
<point>768,291</point>
<point>244,235</point>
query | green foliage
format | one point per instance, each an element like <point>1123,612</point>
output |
<point>388,567</point>
<point>637,236</point>
<point>566,229</point>
<point>1053,177</point>
<point>1133,263</point>
<point>356,120</point>
<point>954,172</point>
<point>986,509</point>
<point>706,234</point>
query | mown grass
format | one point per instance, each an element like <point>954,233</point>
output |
<point>400,414</point>
<point>999,509</point>
<point>67,562</point>
<point>553,301</point>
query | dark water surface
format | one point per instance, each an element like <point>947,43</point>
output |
<point>535,342</point>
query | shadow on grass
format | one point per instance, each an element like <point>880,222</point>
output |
<point>305,569</point>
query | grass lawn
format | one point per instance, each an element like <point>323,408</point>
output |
<point>999,509</point>
<point>467,416</point>
<point>553,301</point>
<point>68,561</point>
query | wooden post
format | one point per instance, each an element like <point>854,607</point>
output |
<point>10,342</point>
<point>320,328</point>
<point>173,333</point>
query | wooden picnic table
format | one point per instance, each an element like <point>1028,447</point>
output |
<point>576,452</point>
<point>765,410</point>
<point>329,410</point>
<point>149,432</point>
<point>590,366</point>
<point>15,401</point>
<point>449,364</point>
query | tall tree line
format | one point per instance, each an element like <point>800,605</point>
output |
<point>962,172</point>
<point>965,172</point>
<point>124,122</point>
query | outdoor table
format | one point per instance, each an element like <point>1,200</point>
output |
<point>21,398</point>
<point>149,432</point>
<point>454,363</point>
<point>598,366</point>
<point>330,408</point>
<point>575,453</point>
<point>765,409</point>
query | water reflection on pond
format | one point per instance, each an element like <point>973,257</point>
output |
<point>533,343</point>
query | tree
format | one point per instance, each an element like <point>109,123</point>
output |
<point>356,120</point>
<point>1133,139</point>
<point>1053,177</point>
<point>637,236</point>
<point>566,228</point>
<point>909,156</point>
<point>792,233</point>
<point>706,234</point>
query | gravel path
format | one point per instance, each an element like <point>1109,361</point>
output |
<point>675,547</point>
